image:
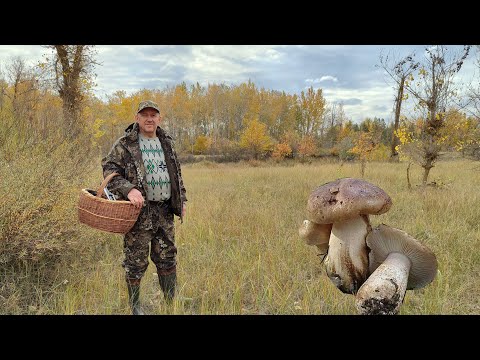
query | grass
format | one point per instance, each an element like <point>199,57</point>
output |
<point>239,251</point>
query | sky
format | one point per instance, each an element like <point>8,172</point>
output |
<point>346,73</point>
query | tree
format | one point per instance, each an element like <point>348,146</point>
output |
<point>433,91</point>
<point>365,144</point>
<point>202,144</point>
<point>307,146</point>
<point>255,139</point>
<point>401,73</point>
<point>462,133</point>
<point>334,118</point>
<point>474,90</point>
<point>312,106</point>
<point>72,67</point>
<point>23,96</point>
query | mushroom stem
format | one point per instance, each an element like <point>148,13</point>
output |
<point>347,259</point>
<point>384,290</point>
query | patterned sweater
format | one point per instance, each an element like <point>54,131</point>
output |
<point>158,180</point>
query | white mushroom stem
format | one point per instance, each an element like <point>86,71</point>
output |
<point>384,290</point>
<point>347,259</point>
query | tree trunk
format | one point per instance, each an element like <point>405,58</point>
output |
<point>72,62</point>
<point>398,106</point>
<point>408,175</point>
<point>426,171</point>
<point>70,118</point>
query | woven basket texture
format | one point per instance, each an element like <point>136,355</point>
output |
<point>108,215</point>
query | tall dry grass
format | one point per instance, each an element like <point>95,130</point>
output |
<point>40,237</point>
<point>239,251</point>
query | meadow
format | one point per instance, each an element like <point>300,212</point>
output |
<point>239,251</point>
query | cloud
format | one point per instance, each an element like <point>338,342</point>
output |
<point>322,79</point>
<point>154,66</point>
<point>31,54</point>
<point>376,101</point>
<point>351,101</point>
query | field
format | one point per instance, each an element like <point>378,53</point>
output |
<point>239,251</point>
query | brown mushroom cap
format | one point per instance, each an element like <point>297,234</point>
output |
<point>384,240</point>
<point>345,198</point>
<point>316,234</point>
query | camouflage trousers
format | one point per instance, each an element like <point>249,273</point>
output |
<point>159,242</point>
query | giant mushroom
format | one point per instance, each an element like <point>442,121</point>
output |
<point>346,204</point>
<point>398,262</point>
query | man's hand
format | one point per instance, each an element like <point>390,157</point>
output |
<point>184,209</point>
<point>136,198</point>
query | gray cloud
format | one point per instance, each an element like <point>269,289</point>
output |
<point>322,79</point>
<point>351,101</point>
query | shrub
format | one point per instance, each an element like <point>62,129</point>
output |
<point>282,151</point>
<point>39,190</point>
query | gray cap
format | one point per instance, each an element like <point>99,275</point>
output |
<point>346,198</point>
<point>148,104</point>
<point>385,239</point>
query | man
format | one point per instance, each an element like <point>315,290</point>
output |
<point>151,178</point>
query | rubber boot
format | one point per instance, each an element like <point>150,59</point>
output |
<point>133,286</point>
<point>167,284</point>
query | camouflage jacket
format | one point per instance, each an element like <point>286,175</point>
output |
<point>125,158</point>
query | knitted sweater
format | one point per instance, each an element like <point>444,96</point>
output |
<point>158,179</point>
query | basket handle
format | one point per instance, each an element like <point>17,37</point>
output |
<point>104,183</point>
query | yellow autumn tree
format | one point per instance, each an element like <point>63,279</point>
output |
<point>254,138</point>
<point>410,147</point>
<point>202,145</point>
<point>291,138</point>
<point>307,146</point>
<point>461,133</point>
<point>365,146</point>
<point>312,107</point>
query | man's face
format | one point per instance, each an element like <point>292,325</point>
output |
<point>148,119</point>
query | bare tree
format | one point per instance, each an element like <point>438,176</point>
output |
<point>25,85</point>
<point>474,90</point>
<point>474,109</point>
<point>23,97</point>
<point>400,71</point>
<point>72,67</point>
<point>3,89</point>
<point>433,91</point>
<point>333,118</point>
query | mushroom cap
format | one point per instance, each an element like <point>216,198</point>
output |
<point>316,234</point>
<point>384,240</point>
<point>346,198</point>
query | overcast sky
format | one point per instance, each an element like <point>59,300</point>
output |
<point>346,73</point>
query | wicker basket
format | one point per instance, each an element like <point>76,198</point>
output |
<point>107,215</point>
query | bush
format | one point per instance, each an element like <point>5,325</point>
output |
<point>39,190</point>
<point>344,149</point>
<point>380,153</point>
<point>282,151</point>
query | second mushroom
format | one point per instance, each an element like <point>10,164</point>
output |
<point>398,262</point>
